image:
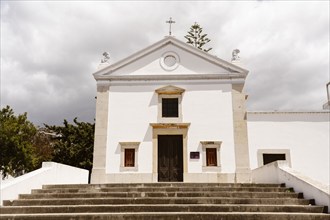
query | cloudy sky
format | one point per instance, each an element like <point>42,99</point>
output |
<point>49,50</point>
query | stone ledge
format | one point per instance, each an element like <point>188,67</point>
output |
<point>170,125</point>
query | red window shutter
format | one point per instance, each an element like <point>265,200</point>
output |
<point>129,157</point>
<point>211,157</point>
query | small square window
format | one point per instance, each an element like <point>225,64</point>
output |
<point>211,157</point>
<point>129,157</point>
<point>268,158</point>
<point>169,104</point>
<point>170,107</point>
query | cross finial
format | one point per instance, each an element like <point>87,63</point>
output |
<point>170,22</point>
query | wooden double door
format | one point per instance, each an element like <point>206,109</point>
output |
<point>170,158</point>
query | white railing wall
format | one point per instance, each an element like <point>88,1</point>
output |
<point>280,172</point>
<point>49,173</point>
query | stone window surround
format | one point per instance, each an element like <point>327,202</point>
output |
<point>260,153</point>
<point>211,144</point>
<point>169,92</point>
<point>128,145</point>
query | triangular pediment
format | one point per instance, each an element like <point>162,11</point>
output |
<point>170,58</point>
<point>170,90</point>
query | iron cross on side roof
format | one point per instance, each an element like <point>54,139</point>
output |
<point>170,22</point>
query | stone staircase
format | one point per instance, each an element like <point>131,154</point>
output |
<point>164,201</point>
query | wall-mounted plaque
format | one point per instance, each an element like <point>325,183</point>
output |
<point>194,155</point>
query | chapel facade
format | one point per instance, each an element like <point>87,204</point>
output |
<point>171,113</point>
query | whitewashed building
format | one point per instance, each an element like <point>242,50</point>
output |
<point>171,112</point>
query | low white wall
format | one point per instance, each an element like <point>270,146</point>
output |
<point>280,172</point>
<point>49,173</point>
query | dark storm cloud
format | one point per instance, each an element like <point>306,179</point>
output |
<point>49,50</point>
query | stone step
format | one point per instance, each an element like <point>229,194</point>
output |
<point>158,200</point>
<point>163,201</point>
<point>164,189</point>
<point>161,208</point>
<point>169,216</point>
<point>163,194</point>
<point>166,184</point>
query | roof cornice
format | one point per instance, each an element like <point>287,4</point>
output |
<point>171,77</point>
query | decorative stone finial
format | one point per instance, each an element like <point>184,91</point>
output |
<point>105,61</point>
<point>106,57</point>
<point>235,56</point>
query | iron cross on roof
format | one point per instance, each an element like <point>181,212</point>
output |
<point>170,22</point>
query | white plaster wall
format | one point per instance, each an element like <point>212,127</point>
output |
<point>209,110</point>
<point>306,135</point>
<point>131,109</point>
<point>207,106</point>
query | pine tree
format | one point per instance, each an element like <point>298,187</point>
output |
<point>196,38</point>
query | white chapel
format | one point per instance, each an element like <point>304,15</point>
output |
<point>173,113</point>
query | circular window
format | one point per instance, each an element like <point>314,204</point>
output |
<point>169,61</point>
